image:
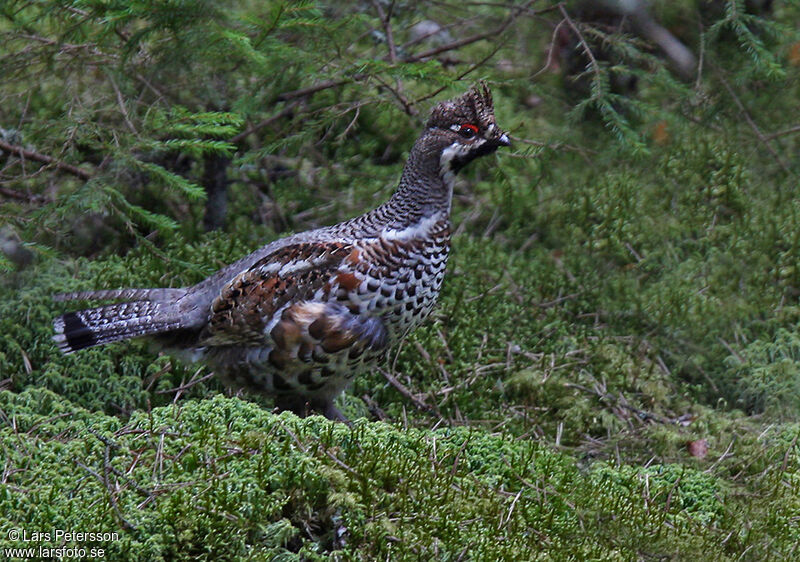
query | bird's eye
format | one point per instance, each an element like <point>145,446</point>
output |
<point>468,130</point>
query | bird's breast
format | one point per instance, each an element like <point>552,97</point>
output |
<point>398,274</point>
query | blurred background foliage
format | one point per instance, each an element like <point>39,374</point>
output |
<point>623,291</point>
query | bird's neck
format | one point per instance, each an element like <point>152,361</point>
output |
<point>426,187</point>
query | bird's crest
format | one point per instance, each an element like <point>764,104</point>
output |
<point>474,106</point>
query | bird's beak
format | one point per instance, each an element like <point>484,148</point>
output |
<point>503,140</point>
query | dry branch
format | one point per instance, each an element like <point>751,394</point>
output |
<point>457,44</point>
<point>44,159</point>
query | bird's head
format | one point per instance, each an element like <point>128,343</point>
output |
<point>464,128</point>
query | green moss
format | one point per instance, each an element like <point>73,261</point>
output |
<point>222,477</point>
<point>767,375</point>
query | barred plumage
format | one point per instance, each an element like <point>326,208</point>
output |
<point>300,317</point>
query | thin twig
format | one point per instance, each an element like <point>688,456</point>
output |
<point>726,345</point>
<point>27,197</point>
<point>121,103</point>
<point>132,483</point>
<point>48,420</point>
<point>265,123</point>
<point>472,68</point>
<point>111,496</point>
<point>373,407</point>
<point>581,40</point>
<point>386,20</point>
<point>303,92</point>
<point>352,123</point>
<point>44,159</point>
<point>435,31</point>
<point>66,47</point>
<point>764,140</point>
<point>457,44</point>
<point>583,152</point>
<point>788,454</point>
<point>408,106</point>
<point>147,83</point>
<point>700,59</point>
<point>550,49</point>
<point>556,301</point>
<point>183,387</point>
<point>789,131</point>
<point>722,457</point>
<point>401,388</point>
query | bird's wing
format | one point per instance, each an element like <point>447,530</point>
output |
<point>295,301</point>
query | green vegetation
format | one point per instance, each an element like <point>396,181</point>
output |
<point>613,371</point>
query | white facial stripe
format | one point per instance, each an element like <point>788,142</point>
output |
<point>452,151</point>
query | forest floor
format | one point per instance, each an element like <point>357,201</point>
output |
<point>612,372</point>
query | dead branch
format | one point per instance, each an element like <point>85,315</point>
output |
<point>457,44</point>
<point>408,106</point>
<point>472,68</point>
<point>761,137</point>
<point>44,159</point>
<point>584,45</point>
<point>789,131</point>
<point>265,123</point>
<point>401,388</point>
<point>386,18</point>
<point>27,197</point>
<point>111,493</point>
<point>186,386</point>
<point>303,92</point>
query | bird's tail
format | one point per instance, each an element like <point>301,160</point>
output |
<point>145,312</point>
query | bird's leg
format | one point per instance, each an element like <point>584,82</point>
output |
<point>332,412</point>
<point>303,407</point>
<point>292,402</point>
